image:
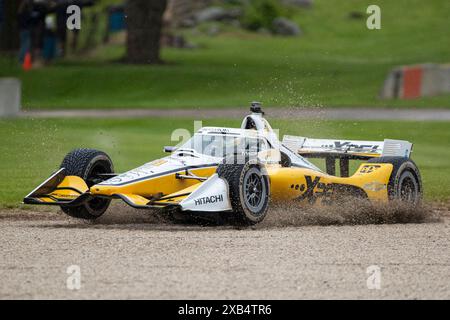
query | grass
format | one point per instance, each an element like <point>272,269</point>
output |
<point>31,149</point>
<point>337,62</point>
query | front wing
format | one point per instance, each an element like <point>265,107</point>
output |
<point>71,191</point>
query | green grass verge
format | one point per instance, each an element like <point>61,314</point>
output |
<point>32,149</point>
<point>337,62</point>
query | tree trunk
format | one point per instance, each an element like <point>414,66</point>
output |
<point>9,32</point>
<point>144,23</point>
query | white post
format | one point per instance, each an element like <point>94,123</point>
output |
<point>10,97</point>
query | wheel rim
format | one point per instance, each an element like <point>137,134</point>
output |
<point>254,190</point>
<point>98,168</point>
<point>408,190</point>
<point>97,204</point>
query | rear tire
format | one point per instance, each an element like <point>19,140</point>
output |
<point>248,190</point>
<point>405,183</point>
<point>87,164</point>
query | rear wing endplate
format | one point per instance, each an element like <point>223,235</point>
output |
<point>350,149</point>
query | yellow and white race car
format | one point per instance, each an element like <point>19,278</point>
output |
<point>237,171</point>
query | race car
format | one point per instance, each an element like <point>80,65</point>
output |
<point>239,172</point>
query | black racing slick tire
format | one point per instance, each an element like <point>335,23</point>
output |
<point>248,190</point>
<point>87,164</point>
<point>405,183</point>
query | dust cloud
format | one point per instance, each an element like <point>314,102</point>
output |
<point>349,212</point>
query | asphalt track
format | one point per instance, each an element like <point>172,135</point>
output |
<point>129,254</point>
<point>239,113</point>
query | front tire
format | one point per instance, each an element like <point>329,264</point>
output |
<point>248,190</point>
<point>405,183</point>
<point>87,164</point>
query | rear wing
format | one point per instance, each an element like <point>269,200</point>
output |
<point>349,149</point>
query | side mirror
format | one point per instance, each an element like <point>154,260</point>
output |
<point>169,149</point>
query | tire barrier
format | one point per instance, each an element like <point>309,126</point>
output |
<point>410,82</point>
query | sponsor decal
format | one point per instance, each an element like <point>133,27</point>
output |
<point>129,176</point>
<point>369,168</point>
<point>313,189</point>
<point>347,145</point>
<point>300,187</point>
<point>374,186</point>
<point>67,196</point>
<point>208,200</point>
<point>158,162</point>
<point>149,171</point>
<point>218,130</point>
<point>316,189</point>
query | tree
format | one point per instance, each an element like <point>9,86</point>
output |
<point>9,32</point>
<point>144,23</point>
